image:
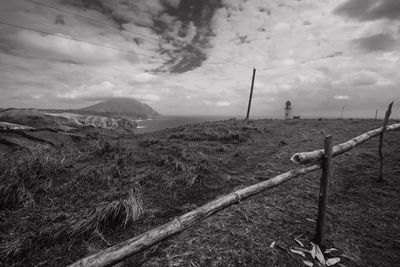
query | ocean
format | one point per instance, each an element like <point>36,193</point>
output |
<point>145,126</point>
<point>152,125</point>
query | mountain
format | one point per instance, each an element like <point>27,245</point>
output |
<point>127,106</point>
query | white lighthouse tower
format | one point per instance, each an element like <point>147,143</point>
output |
<point>288,110</point>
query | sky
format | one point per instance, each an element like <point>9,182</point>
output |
<point>196,57</point>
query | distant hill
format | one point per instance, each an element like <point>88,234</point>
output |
<point>13,118</point>
<point>127,106</point>
<point>32,118</point>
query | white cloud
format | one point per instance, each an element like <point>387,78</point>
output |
<point>222,104</point>
<point>57,48</point>
<point>149,98</point>
<point>392,57</point>
<point>281,26</point>
<point>363,78</point>
<point>145,77</point>
<point>341,97</point>
<point>95,91</point>
<point>217,103</point>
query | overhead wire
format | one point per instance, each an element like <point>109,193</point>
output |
<point>9,71</point>
<point>144,36</point>
<point>226,61</point>
<point>77,40</point>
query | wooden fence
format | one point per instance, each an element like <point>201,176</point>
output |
<point>317,160</point>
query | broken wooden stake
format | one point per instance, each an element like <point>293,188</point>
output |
<point>381,157</point>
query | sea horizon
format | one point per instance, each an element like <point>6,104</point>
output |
<point>172,121</point>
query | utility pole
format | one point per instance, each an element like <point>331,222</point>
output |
<point>251,95</point>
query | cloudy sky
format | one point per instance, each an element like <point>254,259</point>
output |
<point>196,56</point>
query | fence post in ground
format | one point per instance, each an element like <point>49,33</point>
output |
<point>323,192</point>
<point>381,158</point>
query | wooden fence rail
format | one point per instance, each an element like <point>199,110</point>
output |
<point>317,155</point>
<point>123,250</point>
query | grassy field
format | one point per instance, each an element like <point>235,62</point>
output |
<point>60,204</point>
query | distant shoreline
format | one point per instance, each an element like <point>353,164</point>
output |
<point>166,122</point>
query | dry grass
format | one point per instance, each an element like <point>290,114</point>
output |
<point>24,177</point>
<point>184,168</point>
<point>117,213</point>
<point>32,214</point>
<point>60,204</point>
<point>106,145</point>
<point>219,133</point>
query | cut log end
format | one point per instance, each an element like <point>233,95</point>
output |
<point>297,158</point>
<point>317,155</point>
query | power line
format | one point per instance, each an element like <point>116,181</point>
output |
<point>128,51</point>
<point>77,40</point>
<point>146,36</point>
<point>118,28</point>
<point>9,71</point>
<point>93,20</point>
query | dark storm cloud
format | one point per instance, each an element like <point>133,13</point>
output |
<point>370,9</point>
<point>187,58</point>
<point>200,13</point>
<point>189,15</point>
<point>377,42</point>
<point>184,26</point>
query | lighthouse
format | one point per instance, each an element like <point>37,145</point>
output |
<point>288,109</point>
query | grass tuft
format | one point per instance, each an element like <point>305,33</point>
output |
<point>104,145</point>
<point>120,212</point>
<point>185,168</point>
<point>117,213</point>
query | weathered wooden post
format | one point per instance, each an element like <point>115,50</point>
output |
<point>323,192</point>
<point>251,94</point>
<point>381,158</point>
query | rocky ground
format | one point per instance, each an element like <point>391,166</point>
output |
<point>60,203</point>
